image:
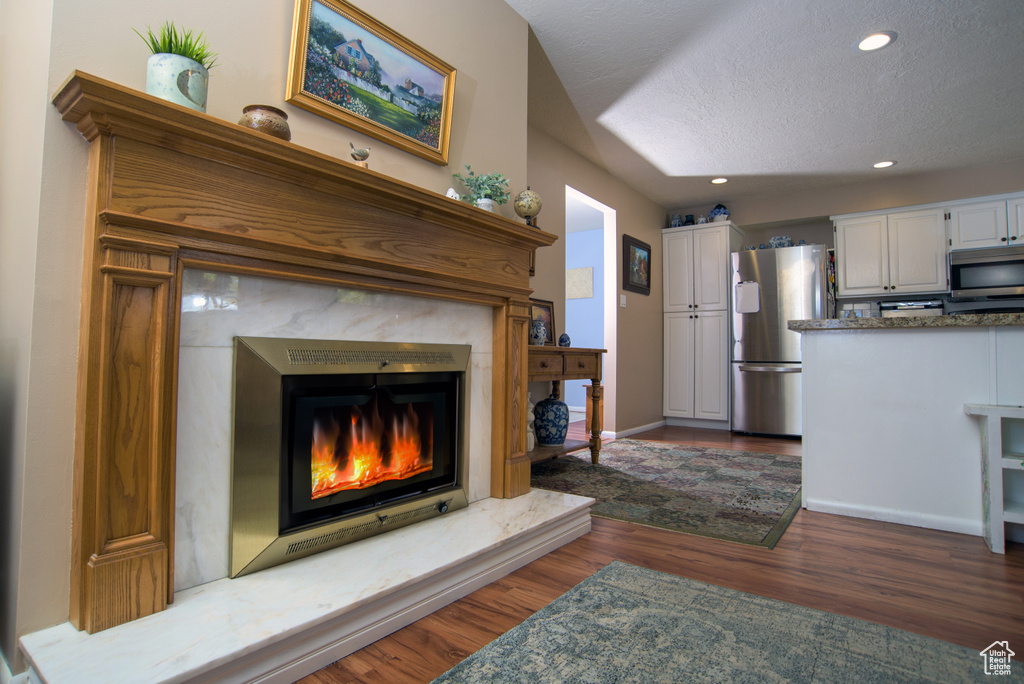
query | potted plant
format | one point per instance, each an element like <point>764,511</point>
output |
<point>485,189</point>
<point>178,69</point>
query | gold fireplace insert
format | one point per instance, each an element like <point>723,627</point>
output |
<point>335,441</point>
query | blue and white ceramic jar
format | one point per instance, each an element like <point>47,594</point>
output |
<point>551,421</point>
<point>564,341</point>
<point>538,332</point>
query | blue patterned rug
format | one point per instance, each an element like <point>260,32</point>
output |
<point>627,624</point>
<point>739,496</point>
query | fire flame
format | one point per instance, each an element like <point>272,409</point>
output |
<point>371,456</point>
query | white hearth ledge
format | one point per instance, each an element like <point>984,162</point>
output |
<point>283,623</point>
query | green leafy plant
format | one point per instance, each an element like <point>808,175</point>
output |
<point>187,43</point>
<point>492,186</point>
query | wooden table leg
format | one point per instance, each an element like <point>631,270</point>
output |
<point>595,420</point>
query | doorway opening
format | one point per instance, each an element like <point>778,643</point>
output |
<point>590,287</point>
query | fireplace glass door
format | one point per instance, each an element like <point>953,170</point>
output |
<point>353,443</point>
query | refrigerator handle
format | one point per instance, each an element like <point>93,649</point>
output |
<point>769,369</point>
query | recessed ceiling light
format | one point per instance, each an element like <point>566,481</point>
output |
<point>884,164</point>
<point>876,41</point>
<point>719,181</point>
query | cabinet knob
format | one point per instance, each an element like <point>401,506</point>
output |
<point>580,364</point>
<point>1014,237</point>
<point>885,287</point>
<point>696,306</point>
<point>1002,239</point>
<point>689,306</point>
<point>543,364</point>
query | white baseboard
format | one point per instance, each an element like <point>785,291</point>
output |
<point>925,520</point>
<point>7,678</point>
<point>697,423</point>
<point>632,431</point>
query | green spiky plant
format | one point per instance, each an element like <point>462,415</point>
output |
<point>187,43</point>
<point>483,186</point>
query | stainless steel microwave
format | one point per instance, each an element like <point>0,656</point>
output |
<point>995,272</point>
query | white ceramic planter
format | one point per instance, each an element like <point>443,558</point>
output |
<point>485,203</point>
<point>178,79</point>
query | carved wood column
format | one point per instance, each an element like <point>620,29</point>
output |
<point>510,466</point>
<point>124,460</point>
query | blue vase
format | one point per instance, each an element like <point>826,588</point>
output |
<point>551,421</point>
<point>564,341</point>
<point>538,332</point>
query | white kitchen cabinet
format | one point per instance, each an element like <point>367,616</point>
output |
<point>696,365</point>
<point>696,273</point>
<point>891,253</point>
<point>994,223</point>
<point>696,266</point>
<point>978,225</point>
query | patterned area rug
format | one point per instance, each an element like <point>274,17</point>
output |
<point>628,624</point>
<point>739,496</point>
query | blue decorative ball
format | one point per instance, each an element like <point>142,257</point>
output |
<point>551,421</point>
<point>563,340</point>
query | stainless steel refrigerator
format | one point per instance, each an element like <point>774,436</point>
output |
<point>770,287</point>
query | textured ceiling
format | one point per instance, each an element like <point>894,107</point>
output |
<point>667,94</point>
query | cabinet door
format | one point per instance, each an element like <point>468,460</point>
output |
<point>711,365</point>
<point>710,268</point>
<point>678,270</point>
<point>978,225</point>
<point>862,256</point>
<point>917,252</point>
<point>678,396</point>
<point>1015,221</point>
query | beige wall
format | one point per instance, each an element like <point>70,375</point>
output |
<point>638,370</point>
<point>43,171</point>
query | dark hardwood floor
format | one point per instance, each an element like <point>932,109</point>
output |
<point>939,584</point>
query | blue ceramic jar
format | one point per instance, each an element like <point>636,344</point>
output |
<point>551,421</point>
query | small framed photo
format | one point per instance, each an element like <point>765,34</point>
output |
<point>542,310</point>
<point>636,265</point>
<point>348,67</point>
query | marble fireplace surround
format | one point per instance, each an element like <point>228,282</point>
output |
<point>169,190</point>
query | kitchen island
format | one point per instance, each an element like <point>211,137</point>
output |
<point>885,433</point>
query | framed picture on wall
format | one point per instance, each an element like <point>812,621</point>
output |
<point>636,265</point>
<point>542,310</point>
<point>350,68</point>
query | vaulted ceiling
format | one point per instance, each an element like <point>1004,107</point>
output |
<point>773,94</point>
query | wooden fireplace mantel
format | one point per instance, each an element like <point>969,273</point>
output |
<point>170,188</point>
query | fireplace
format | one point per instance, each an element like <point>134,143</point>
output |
<point>336,441</point>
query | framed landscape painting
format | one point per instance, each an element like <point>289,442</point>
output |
<point>636,265</point>
<point>348,67</point>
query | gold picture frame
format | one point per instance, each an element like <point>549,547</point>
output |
<point>372,80</point>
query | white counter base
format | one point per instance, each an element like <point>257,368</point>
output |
<point>885,434</point>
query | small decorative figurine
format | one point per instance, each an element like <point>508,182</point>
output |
<point>360,155</point>
<point>453,193</point>
<point>563,340</point>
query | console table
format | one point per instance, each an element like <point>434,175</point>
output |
<point>555,364</point>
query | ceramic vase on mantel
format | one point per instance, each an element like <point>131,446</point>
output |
<point>266,119</point>
<point>551,421</point>
<point>485,203</point>
<point>177,79</point>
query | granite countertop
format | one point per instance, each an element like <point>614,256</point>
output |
<point>959,321</point>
